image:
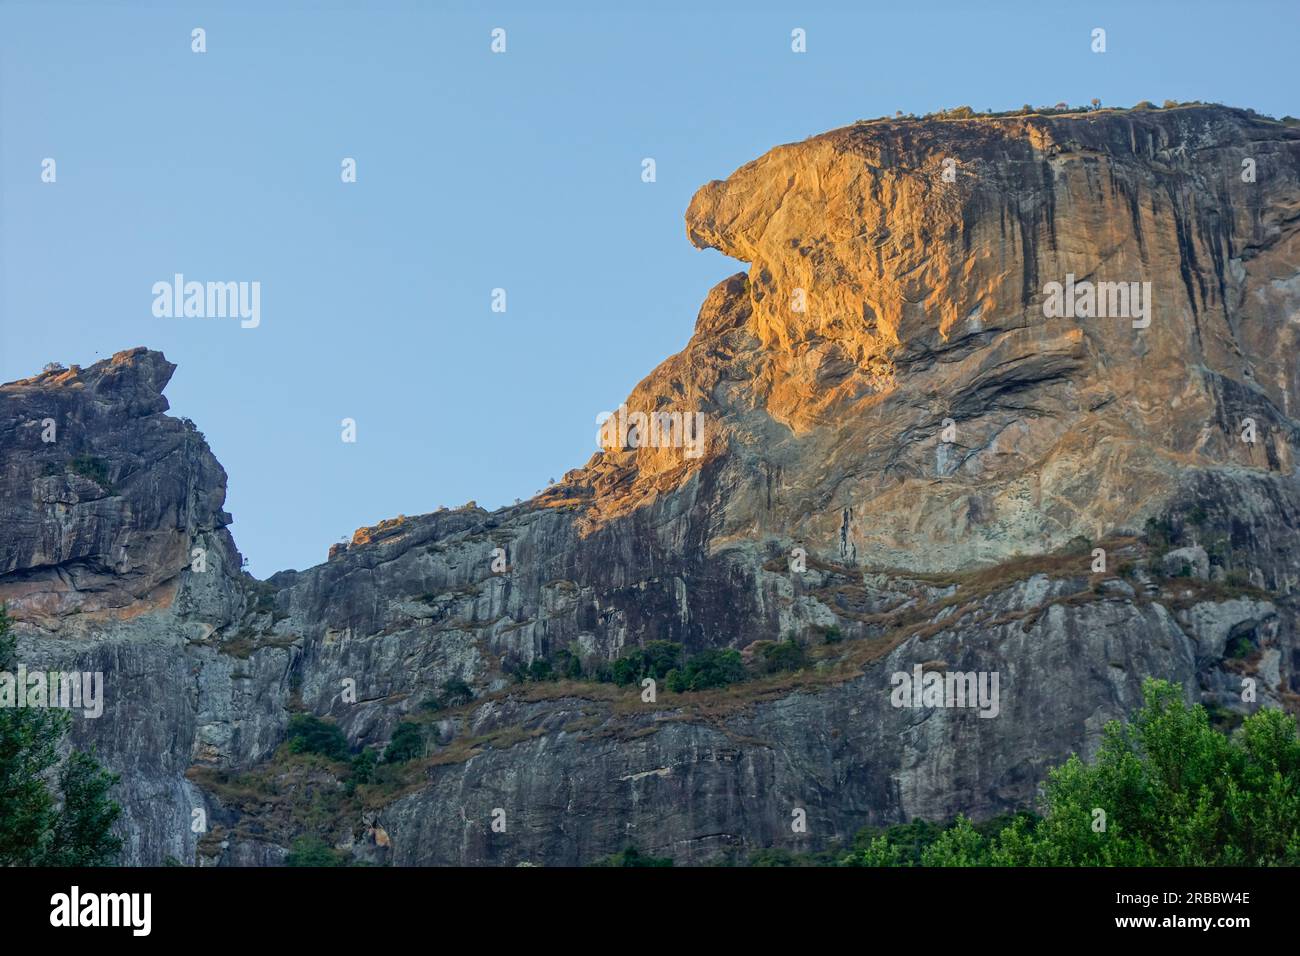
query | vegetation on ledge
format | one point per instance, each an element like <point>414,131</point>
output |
<point>1166,789</point>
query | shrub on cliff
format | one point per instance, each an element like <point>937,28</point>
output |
<point>454,693</point>
<point>631,856</point>
<point>313,851</point>
<point>96,469</point>
<point>540,669</point>
<point>308,734</point>
<point>568,664</point>
<point>776,656</point>
<point>654,660</point>
<point>708,669</point>
<point>407,743</point>
<point>363,767</point>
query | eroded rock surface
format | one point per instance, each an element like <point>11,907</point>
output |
<point>881,389</point>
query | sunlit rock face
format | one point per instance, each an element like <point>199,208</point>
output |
<point>909,395</point>
<point>925,298</point>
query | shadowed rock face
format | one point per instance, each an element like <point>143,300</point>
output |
<point>885,301</point>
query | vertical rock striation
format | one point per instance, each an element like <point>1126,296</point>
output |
<point>884,388</point>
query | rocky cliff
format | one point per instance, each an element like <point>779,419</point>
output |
<point>909,454</point>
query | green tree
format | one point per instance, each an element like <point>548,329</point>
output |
<point>901,845</point>
<point>36,829</point>
<point>363,766</point>
<point>787,655</point>
<point>655,660</point>
<point>568,664</point>
<point>1166,789</point>
<point>309,734</point>
<point>714,668</point>
<point>407,743</point>
<point>83,830</point>
<point>1172,791</point>
<point>959,845</point>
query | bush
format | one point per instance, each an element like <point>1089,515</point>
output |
<point>1079,544</point>
<point>1160,533</point>
<point>713,668</point>
<point>363,766</point>
<point>407,743</point>
<point>788,655</point>
<point>631,856</point>
<point>959,845</point>
<point>900,845</point>
<point>626,669</point>
<point>456,692</point>
<point>1237,579</point>
<point>88,466</point>
<point>308,734</point>
<point>540,670</point>
<point>832,635</point>
<point>773,856</point>
<point>313,851</point>
<point>567,664</point>
<point>655,660</point>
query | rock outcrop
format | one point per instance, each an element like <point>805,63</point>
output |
<point>907,456</point>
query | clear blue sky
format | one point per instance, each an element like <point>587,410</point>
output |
<point>475,171</point>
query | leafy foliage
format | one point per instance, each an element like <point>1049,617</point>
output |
<point>363,766</point>
<point>454,693</point>
<point>787,655</point>
<point>407,743</point>
<point>308,734</point>
<point>540,669</point>
<point>568,664</point>
<point>36,829</point>
<point>1166,789</point>
<point>710,668</point>
<point>96,469</point>
<point>631,856</point>
<point>313,851</point>
<point>653,660</point>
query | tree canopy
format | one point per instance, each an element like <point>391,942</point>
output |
<point>39,827</point>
